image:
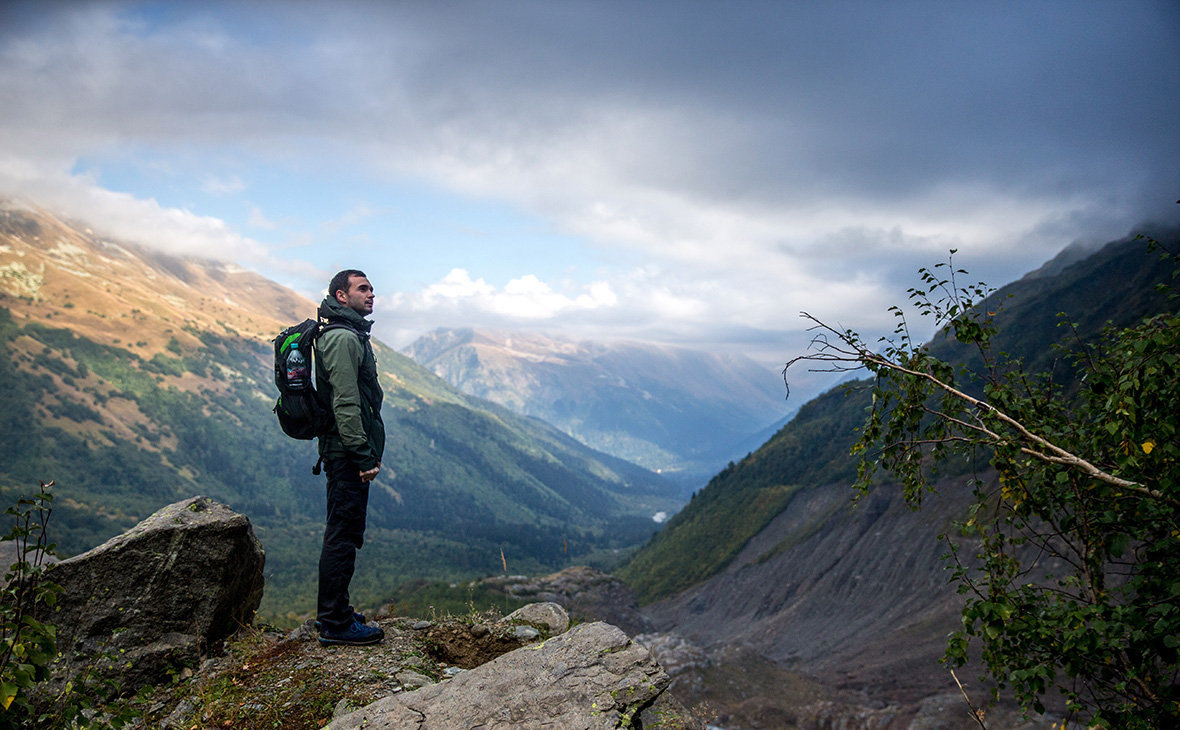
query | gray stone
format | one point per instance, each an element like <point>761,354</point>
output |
<point>179,716</point>
<point>549,616</point>
<point>674,653</point>
<point>422,625</point>
<point>413,680</point>
<point>303,632</point>
<point>158,597</point>
<point>524,633</point>
<point>592,676</point>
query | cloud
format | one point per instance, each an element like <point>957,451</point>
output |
<point>223,186</point>
<point>257,219</point>
<point>755,115</point>
<point>730,165</point>
<point>124,216</point>
<point>351,217</point>
<point>527,298</point>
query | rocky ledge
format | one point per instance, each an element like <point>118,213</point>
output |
<point>472,671</point>
<point>166,608</point>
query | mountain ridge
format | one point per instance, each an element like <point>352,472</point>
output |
<point>683,412</point>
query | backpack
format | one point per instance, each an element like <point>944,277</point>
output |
<point>301,410</point>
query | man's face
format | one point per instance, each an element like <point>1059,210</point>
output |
<point>359,297</point>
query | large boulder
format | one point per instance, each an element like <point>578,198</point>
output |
<point>159,596</point>
<point>592,676</point>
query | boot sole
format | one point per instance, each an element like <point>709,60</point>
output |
<point>351,642</point>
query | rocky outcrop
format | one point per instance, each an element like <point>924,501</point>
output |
<point>588,595</point>
<point>159,596</point>
<point>593,676</point>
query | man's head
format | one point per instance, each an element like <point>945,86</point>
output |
<point>352,289</point>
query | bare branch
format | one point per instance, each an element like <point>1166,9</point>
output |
<point>976,715</point>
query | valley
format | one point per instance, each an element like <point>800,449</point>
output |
<point>681,412</point>
<point>135,379</point>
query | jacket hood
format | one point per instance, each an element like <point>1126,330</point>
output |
<point>330,309</point>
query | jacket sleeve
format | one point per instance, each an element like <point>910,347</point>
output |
<point>341,356</point>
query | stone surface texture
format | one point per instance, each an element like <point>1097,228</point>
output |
<point>592,676</point>
<point>159,596</point>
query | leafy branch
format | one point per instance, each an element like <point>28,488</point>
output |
<point>852,355</point>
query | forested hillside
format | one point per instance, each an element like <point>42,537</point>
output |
<point>134,380</point>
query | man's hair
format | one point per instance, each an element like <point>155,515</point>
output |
<point>340,282</point>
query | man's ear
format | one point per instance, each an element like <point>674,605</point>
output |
<point>341,297</point>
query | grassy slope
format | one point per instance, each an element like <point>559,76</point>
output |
<point>1118,284</point>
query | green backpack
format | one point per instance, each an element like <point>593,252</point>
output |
<point>302,412</point>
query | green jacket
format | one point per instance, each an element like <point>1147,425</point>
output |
<point>346,372</point>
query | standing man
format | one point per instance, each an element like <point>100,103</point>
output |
<point>346,373</point>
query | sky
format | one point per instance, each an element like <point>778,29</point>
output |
<point>680,172</point>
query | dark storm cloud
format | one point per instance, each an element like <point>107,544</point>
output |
<point>747,159</point>
<point>863,99</point>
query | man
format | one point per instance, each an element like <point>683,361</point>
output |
<point>346,372</point>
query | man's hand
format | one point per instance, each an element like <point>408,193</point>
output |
<point>371,474</point>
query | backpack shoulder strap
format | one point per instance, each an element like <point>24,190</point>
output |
<point>325,327</point>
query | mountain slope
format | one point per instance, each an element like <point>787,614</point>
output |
<point>673,409</point>
<point>135,379</point>
<point>773,554</point>
<point>1116,284</point>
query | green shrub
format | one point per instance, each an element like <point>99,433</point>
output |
<point>28,645</point>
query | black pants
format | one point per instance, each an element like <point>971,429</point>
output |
<point>344,533</point>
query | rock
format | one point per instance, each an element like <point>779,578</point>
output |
<point>592,676</point>
<point>422,625</point>
<point>549,616</point>
<point>413,680</point>
<point>157,598</point>
<point>588,595</point>
<point>303,631</point>
<point>674,653</point>
<point>176,719</point>
<point>524,633</point>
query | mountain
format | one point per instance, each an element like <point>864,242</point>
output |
<point>683,412</point>
<point>773,554</point>
<point>133,379</point>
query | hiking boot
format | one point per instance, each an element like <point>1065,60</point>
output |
<point>359,618</point>
<point>356,635</point>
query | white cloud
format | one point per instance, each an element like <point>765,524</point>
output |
<point>222,186</point>
<point>257,219</point>
<point>457,284</point>
<point>351,217</point>
<point>123,216</point>
<point>525,298</point>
